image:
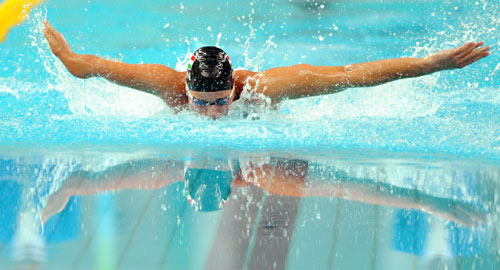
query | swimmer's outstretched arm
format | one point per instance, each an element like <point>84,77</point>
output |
<point>151,78</point>
<point>305,80</point>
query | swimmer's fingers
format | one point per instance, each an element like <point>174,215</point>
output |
<point>467,48</point>
<point>462,218</point>
<point>47,24</point>
<point>463,49</point>
<point>475,214</point>
<point>52,33</point>
<point>48,30</point>
<point>49,36</point>
<point>49,27</point>
<point>474,56</point>
<point>471,53</point>
<point>57,42</point>
<point>459,57</point>
<point>458,212</point>
<point>468,215</point>
<point>55,204</point>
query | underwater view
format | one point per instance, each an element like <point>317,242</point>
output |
<point>95,175</point>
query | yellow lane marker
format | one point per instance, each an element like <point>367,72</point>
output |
<point>13,12</point>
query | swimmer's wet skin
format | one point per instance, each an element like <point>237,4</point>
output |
<point>213,76</point>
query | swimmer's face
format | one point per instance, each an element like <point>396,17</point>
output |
<point>211,104</point>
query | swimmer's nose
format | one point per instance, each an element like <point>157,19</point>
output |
<point>213,112</point>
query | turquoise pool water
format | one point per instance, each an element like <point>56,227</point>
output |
<point>399,175</point>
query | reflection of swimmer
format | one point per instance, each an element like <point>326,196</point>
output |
<point>208,185</point>
<point>210,85</point>
<point>415,233</point>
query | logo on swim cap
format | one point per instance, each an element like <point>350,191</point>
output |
<point>190,63</point>
<point>209,70</point>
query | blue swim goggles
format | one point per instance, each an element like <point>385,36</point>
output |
<point>219,101</point>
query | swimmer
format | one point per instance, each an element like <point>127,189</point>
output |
<point>210,85</point>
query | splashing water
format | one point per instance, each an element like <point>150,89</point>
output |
<point>449,115</point>
<point>455,112</point>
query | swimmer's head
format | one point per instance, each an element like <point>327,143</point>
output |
<point>209,70</point>
<point>207,189</point>
<point>210,82</point>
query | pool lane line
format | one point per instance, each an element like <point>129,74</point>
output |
<point>78,259</point>
<point>376,229</point>
<point>171,237</point>
<point>336,225</point>
<point>134,228</point>
<point>251,244</point>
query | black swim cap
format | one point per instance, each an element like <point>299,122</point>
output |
<point>210,70</point>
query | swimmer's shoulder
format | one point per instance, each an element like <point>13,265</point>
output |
<point>241,78</point>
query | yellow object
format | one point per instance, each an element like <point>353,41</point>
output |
<point>13,12</point>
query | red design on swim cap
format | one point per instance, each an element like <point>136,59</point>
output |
<point>192,58</point>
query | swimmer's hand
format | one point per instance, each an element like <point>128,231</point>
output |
<point>60,48</point>
<point>156,79</point>
<point>58,44</point>
<point>55,204</point>
<point>459,57</point>
<point>457,211</point>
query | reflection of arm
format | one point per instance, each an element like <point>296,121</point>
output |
<point>291,182</point>
<point>368,191</point>
<point>142,174</point>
